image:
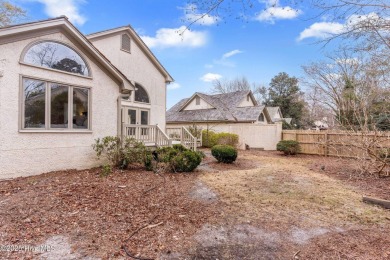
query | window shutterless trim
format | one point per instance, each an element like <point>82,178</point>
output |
<point>47,128</point>
<point>33,43</point>
<point>54,70</point>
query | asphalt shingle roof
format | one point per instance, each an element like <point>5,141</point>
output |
<point>226,109</point>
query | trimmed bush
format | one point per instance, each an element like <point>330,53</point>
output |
<point>210,139</point>
<point>224,153</point>
<point>165,154</point>
<point>179,147</point>
<point>227,139</point>
<point>186,161</point>
<point>288,147</point>
<point>175,159</point>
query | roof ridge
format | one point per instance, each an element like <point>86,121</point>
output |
<point>32,22</point>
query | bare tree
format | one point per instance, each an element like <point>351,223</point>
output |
<point>366,20</point>
<point>355,88</point>
<point>10,13</point>
<point>238,84</point>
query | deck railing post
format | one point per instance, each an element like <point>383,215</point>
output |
<point>195,143</point>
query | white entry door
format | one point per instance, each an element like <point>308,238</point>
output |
<point>136,116</point>
<point>137,121</point>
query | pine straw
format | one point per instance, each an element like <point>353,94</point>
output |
<point>99,214</point>
<point>268,207</point>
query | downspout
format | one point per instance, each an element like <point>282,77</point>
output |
<point>119,112</point>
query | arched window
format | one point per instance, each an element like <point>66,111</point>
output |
<point>140,94</point>
<point>261,117</point>
<point>56,56</point>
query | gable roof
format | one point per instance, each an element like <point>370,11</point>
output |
<point>231,99</point>
<point>272,111</point>
<point>15,32</point>
<point>225,109</point>
<point>139,41</point>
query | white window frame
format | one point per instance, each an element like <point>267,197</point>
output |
<point>47,128</point>
<point>32,44</point>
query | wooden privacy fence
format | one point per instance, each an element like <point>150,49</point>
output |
<point>340,143</point>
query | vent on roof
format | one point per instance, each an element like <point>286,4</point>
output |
<point>197,99</point>
<point>125,46</point>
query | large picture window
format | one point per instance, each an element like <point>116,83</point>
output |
<point>52,106</point>
<point>56,56</point>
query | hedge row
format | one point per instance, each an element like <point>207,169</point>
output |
<point>211,138</point>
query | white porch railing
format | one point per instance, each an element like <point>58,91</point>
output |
<point>182,135</point>
<point>152,135</point>
<point>187,139</point>
<point>148,134</point>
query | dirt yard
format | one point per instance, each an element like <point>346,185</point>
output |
<point>265,206</point>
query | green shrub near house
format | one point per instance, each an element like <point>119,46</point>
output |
<point>211,138</point>
<point>186,161</point>
<point>224,153</point>
<point>288,147</point>
<point>117,154</point>
<point>174,159</point>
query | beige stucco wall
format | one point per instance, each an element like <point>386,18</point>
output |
<point>23,153</point>
<point>193,106</point>
<point>139,68</point>
<point>254,135</point>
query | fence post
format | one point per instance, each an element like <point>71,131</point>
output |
<point>296,136</point>
<point>326,145</point>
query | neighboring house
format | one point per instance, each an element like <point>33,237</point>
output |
<point>234,107</point>
<point>235,112</point>
<point>320,124</point>
<point>60,90</point>
<point>276,115</point>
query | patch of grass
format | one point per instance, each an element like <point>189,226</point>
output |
<point>286,191</point>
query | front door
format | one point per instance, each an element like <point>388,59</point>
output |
<point>134,118</point>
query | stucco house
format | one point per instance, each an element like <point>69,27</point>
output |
<point>60,90</point>
<point>235,112</point>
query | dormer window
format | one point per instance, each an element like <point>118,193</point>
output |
<point>125,44</point>
<point>261,117</point>
<point>197,100</point>
<point>247,98</point>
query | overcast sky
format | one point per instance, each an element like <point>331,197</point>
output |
<point>270,40</point>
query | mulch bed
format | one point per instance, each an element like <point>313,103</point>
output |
<point>347,171</point>
<point>156,217</point>
<point>99,214</point>
<point>352,244</point>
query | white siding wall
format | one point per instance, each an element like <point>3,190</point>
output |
<point>255,135</point>
<point>137,67</point>
<point>23,154</point>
